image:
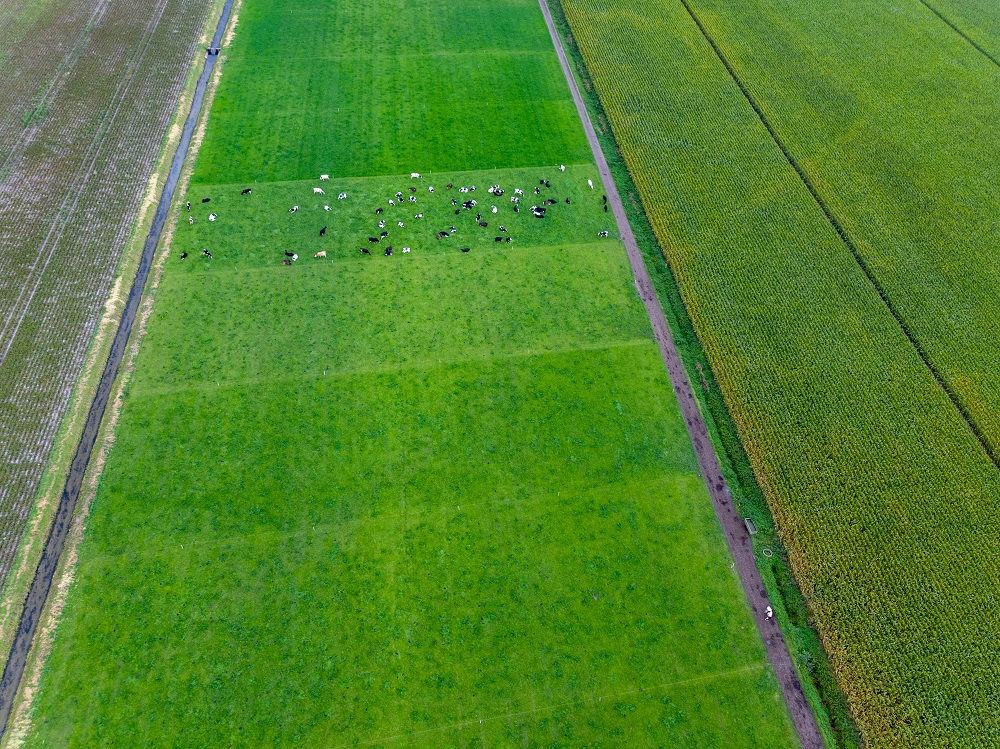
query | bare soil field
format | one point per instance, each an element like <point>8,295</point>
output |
<point>88,89</point>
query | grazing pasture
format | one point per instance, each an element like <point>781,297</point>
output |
<point>88,90</point>
<point>883,493</point>
<point>437,498</point>
<point>386,88</point>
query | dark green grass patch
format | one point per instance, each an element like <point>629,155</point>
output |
<point>388,88</point>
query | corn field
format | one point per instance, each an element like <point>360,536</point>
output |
<point>885,496</point>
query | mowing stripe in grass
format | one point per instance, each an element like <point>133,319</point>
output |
<point>37,595</point>
<point>961,33</point>
<point>848,242</point>
<point>708,462</point>
<point>594,698</point>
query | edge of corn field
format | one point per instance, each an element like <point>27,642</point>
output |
<point>811,661</point>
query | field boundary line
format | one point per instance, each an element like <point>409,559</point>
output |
<point>594,698</point>
<point>737,537</point>
<point>42,582</point>
<point>849,243</point>
<point>961,33</point>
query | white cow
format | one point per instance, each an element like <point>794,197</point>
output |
<point>562,167</point>
<point>342,196</point>
<point>320,254</point>
<point>318,191</point>
<point>591,183</point>
<point>326,208</point>
<point>414,175</point>
<point>212,216</point>
<point>324,177</point>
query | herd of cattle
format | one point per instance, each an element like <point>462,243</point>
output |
<point>400,201</point>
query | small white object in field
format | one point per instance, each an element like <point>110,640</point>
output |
<point>562,167</point>
<point>342,196</point>
<point>318,191</point>
<point>391,202</point>
<point>326,208</point>
<point>494,209</point>
<point>320,254</point>
<point>400,224</point>
<point>324,177</point>
<point>590,182</point>
<point>414,175</point>
<point>406,249</point>
<point>293,209</point>
<point>768,613</point>
<point>190,219</point>
<point>430,189</point>
<point>212,216</point>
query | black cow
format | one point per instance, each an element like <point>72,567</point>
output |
<point>365,251</point>
<point>466,249</point>
<point>189,206</point>
<point>483,224</point>
<point>498,239</point>
<point>604,198</point>
<point>378,211</point>
<point>458,211</point>
<point>289,254</point>
<point>413,189</point>
<point>322,232</point>
<point>388,251</point>
<point>183,255</point>
<point>547,183</point>
<point>479,217</point>
<point>567,201</point>
<point>246,192</point>
<point>373,239</point>
<point>449,185</point>
<point>384,234</point>
<point>541,181</point>
<point>605,207</point>
<point>205,200</point>
<point>503,230</point>
<point>537,191</point>
<point>508,239</point>
<point>516,209</point>
<point>206,253</point>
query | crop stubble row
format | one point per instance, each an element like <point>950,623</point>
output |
<point>68,207</point>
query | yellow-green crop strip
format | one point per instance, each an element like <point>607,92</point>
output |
<point>886,498</point>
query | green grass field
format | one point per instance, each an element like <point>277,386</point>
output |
<point>884,496</point>
<point>433,499</point>
<point>389,88</point>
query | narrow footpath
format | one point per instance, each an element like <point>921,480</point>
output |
<point>42,582</point>
<point>737,536</point>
